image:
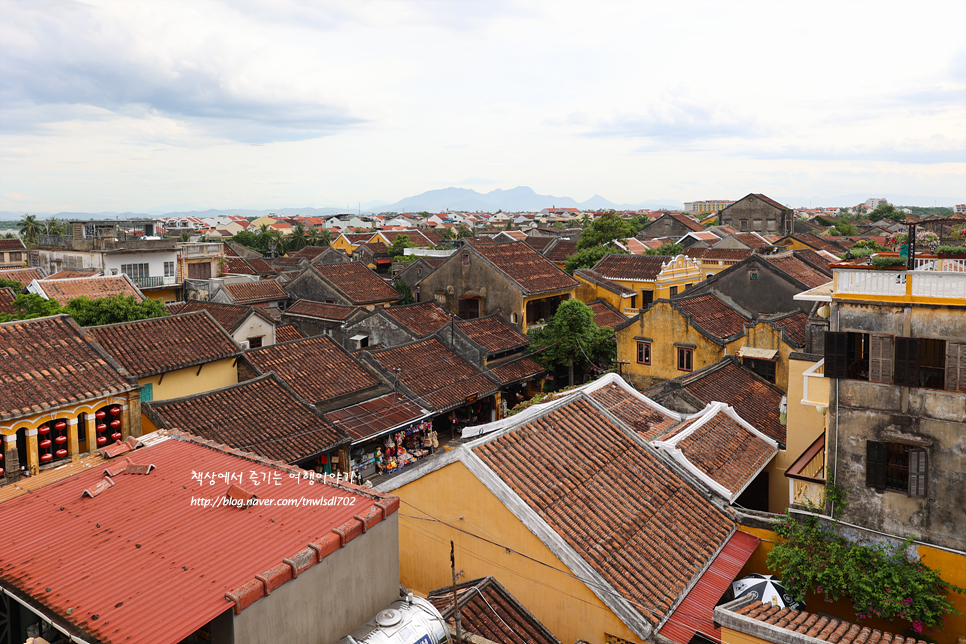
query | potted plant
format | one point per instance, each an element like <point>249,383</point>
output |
<point>952,252</point>
<point>880,262</point>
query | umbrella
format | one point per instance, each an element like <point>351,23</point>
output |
<point>765,588</point>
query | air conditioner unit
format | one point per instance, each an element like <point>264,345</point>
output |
<point>244,345</point>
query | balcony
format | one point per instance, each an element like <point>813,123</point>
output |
<point>193,251</point>
<point>816,386</point>
<point>806,477</point>
<point>934,280</point>
<point>154,282</point>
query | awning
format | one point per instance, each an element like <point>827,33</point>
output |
<point>384,261</point>
<point>758,354</point>
<point>356,338</point>
<point>821,293</point>
<point>695,613</point>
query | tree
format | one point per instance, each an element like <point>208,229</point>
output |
<point>14,284</point>
<point>448,234</point>
<point>297,240</point>
<point>571,338</point>
<point>29,228</point>
<point>463,231</point>
<point>319,237</point>
<point>185,236</point>
<point>844,229</point>
<point>887,211</point>
<point>604,229</point>
<point>111,310</point>
<point>53,226</point>
<point>30,306</point>
<point>275,242</point>
<point>667,249</point>
<point>589,257</point>
<point>407,293</point>
<point>397,248</point>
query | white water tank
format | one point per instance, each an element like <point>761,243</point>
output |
<point>406,621</point>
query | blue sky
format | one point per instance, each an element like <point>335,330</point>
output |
<point>135,105</point>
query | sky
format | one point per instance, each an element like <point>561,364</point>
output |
<point>132,106</point>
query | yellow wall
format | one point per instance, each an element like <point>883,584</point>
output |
<point>257,223</point>
<point>765,336</point>
<point>664,326</point>
<point>164,294</point>
<point>793,244</point>
<point>188,381</point>
<point>566,606</point>
<point>564,296</point>
<point>588,292</point>
<point>341,243</point>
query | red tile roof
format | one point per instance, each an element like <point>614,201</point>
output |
<point>359,284</point>
<point>525,266</point>
<point>263,416</point>
<point>321,310</point>
<point>377,416</point>
<point>260,265</point>
<point>422,318</point>
<point>606,315</point>
<point>256,292</point>
<point>794,326</point>
<point>182,587</point>
<point>229,316</point>
<point>434,373</point>
<point>819,243</point>
<point>238,266</point>
<point>286,333</point>
<point>489,610</point>
<point>750,240</point>
<point>70,273</point>
<point>712,316</point>
<point>23,275</point>
<point>94,288</point>
<point>7,296</point>
<point>48,363</point>
<point>646,420</point>
<point>821,262</point>
<point>687,221</point>
<point>12,244</point>
<point>538,244</point>
<point>771,202</point>
<point>310,252</point>
<point>317,368</point>
<point>561,250</point>
<point>493,333</point>
<point>718,253</point>
<point>630,267</point>
<point>641,528</point>
<point>797,269</point>
<point>417,237</point>
<point>516,370</point>
<point>160,345</point>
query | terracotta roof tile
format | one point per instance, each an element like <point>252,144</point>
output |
<point>317,368</point>
<point>821,627</point>
<point>771,202</point>
<point>238,266</point>
<point>641,528</point>
<point>794,325</point>
<point>321,310</point>
<point>256,292</point>
<point>646,420</point>
<point>286,333</point>
<point>376,416</point>
<point>819,243</point>
<point>48,363</point>
<point>423,318</point>
<point>23,275</point>
<point>525,266</point>
<point>160,345</point>
<point>821,262</point>
<point>236,416</point>
<point>561,250</point>
<point>260,265</point>
<point>516,370</point>
<point>712,315</point>
<point>229,316</point>
<point>493,333</point>
<point>687,221</point>
<point>311,252</point>
<point>797,269</point>
<point>750,240</point>
<point>71,273</point>
<point>12,244</point>
<point>630,267</point>
<point>65,290</point>
<point>538,244</point>
<point>7,296</point>
<point>434,373</point>
<point>718,253</point>
<point>358,283</point>
<point>605,315</point>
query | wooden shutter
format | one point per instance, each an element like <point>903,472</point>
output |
<point>836,354</point>
<point>876,460</point>
<point>956,366</point>
<point>917,473</point>
<point>906,362</point>
<point>880,358</point>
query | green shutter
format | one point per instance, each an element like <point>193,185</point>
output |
<point>147,394</point>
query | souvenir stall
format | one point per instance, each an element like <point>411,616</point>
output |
<point>393,451</point>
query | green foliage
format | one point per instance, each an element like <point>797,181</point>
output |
<point>398,247</point>
<point>319,237</point>
<point>857,253</point>
<point>255,241</point>
<point>30,228</point>
<point>929,212</point>
<point>638,223</point>
<point>951,250</point>
<point>297,240</point>
<point>572,339</point>
<point>590,256</point>
<point>887,211</point>
<point>14,284</point>
<point>884,262</point>
<point>667,249</point>
<point>605,228</point>
<point>867,243</point>
<point>844,229</point>
<point>30,306</point>
<point>881,581</point>
<point>111,310</point>
<point>407,293</point>
<point>185,236</point>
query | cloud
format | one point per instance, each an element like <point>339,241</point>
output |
<point>937,149</point>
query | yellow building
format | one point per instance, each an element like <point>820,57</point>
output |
<point>561,527</point>
<point>714,260</point>
<point>172,356</point>
<point>654,277</point>
<point>64,396</point>
<point>593,286</point>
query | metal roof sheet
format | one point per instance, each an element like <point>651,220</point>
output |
<point>140,563</point>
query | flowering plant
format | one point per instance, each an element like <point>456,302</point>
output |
<point>925,240</point>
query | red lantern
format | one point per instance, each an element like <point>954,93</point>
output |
<point>115,424</point>
<point>60,426</point>
<point>115,411</point>
<point>46,458</point>
<point>44,444</point>
<point>1,456</point>
<point>60,440</point>
<point>99,415</point>
<point>101,440</point>
<point>101,427</point>
<point>61,453</point>
<point>1,471</point>
<point>116,436</point>
<point>43,429</point>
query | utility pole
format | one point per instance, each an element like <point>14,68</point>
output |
<point>456,601</point>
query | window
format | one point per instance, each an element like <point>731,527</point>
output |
<point>756,224</point>
<point>136,271</point>
<point>466,259</point>
<point>752,275</point>
<point>646,298</point>
<point>169,269</point>
<point>896,467</point>
<point>847,355</point>
<point>764,368</point>
<point>255,342</point>
<point>674,291</point>
<point>685,359</point>
<point>643,353</point>
<point>16,257</point>
<point>743,225</point>
<point>929,363</point>
<point>771,225</point>
<point>513,318</point>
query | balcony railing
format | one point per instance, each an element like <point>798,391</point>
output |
<point>901,284</point>
<point>806,477</point>
<point>154,282</point>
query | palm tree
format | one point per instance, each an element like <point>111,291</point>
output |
<point>263,229</point>
<point>53,226</point>
<point>276,243</point>
<point>185,235</point>
<point>320,237</point>
<point>8,236</point>
<point>297,240</point>
<point>29,228</point>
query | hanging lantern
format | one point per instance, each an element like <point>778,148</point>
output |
<point>1,471</point>
<point>115,411</point>
<point>60,440</point>
<point>825,311</point>
<point>116,436</point>
<point>115,424</point>
<point>60,426</point>
<point>43,429</point>
<point>44,444</point>
<point>101,440</point>
<point>61,453</point>
<point>101,427</point>
<point>46,458</point>
<point>99,415</point>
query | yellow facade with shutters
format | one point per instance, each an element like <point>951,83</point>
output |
<point>678,274</point>
<point>192,380</point>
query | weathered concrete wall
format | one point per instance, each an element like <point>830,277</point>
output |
<point>331,598</point>
<point>309,286</point>
<point>758,216</point>
<point>663,226</point>
<point>381,329</point>
<point>765,295</point>
<point>453,280</point>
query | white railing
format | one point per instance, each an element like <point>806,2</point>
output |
<point>806,493</point>
<point>870,282</point>
<point>936,284</point>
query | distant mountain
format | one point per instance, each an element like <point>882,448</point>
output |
<point>516,199</point>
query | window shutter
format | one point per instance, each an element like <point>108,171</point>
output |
<point>917,473</point>
<point>876,460</point>
<point>880,359</point>
<point>956,366</point>
<point>906,362</point>
<point>836,354</point>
